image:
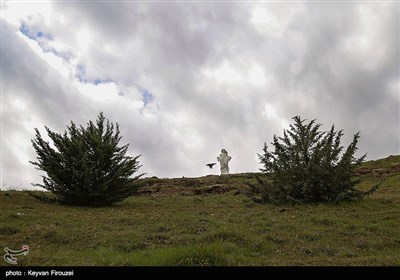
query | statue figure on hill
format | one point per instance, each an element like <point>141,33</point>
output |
<point>223,159</point>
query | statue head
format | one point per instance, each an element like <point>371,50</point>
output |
<point>223,151</point>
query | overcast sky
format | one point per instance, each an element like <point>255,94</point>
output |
<point>184,80</point>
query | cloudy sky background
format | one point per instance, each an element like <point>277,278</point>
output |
<point>184,80</point>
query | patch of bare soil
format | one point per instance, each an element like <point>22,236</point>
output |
<point>211,184</point>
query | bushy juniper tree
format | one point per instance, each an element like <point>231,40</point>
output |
<point>308,165</point>
<point>86,166</point>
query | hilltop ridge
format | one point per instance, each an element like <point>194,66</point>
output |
<point>214,184</point>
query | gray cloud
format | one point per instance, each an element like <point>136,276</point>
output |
<point>220,77</point>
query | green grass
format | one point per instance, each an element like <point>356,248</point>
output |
<point>225,229</point>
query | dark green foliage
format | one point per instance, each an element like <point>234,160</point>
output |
<point>87,167</point>
<point>261,191</point>
<point>310,166</point>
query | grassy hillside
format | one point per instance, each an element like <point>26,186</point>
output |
<point>206,221</point>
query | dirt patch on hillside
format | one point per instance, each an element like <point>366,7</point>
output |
<point>211,184</point>
<point>379,172</point>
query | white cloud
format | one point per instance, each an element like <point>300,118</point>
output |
<point>256,75</point>
<point>18,148</point>
<point>273,116</point>
<point>16,11</point>
<point>18,104</point>
<point>103,92</point>
<point>84,38</point>
<point>226,73</point>
<point>272,19</point>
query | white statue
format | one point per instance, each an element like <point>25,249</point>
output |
<point>223,159</point>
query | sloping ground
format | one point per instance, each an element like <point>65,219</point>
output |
<point>160,228</point>
<point>380,168</point>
